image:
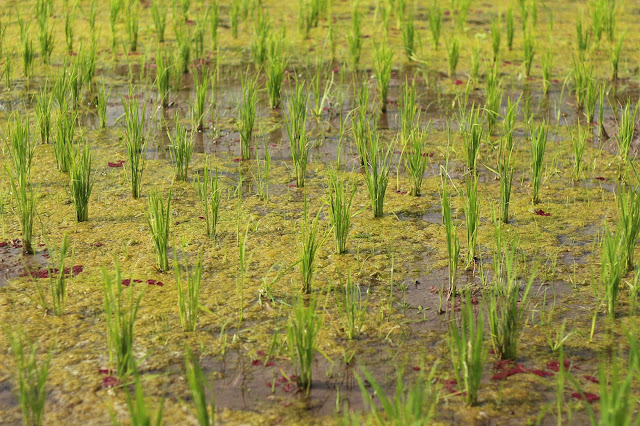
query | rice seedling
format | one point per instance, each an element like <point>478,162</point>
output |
<point>57,276</point>
<point>319,95</point>
<point>408,36</point>
<point>538,146</point>
<point>626,130</point>
<point>214,19</point>
<point>209,193</point>
<point>510,27</point>
<point>247,117</point>
<point>163,76</point>
<point>75,81</point>
<point>472,217</point>
<point>197,36</point>
<point>382,69</point>
<point>31,376</point>
<point>135,142</point>
<point>181,149</point>
<point>102,99</point>
<point>528,51</point>
<point>582,75</point>
<point>615,58</point>
<point>628,222</point>
<point>453,244</point>
<point>183,38</point>
<point>189,294</point>
<point>360,120</point>
<point>340,200</point>
<point>65,132</point>
<point>590,100</point>
<point>611,21</point>
<point>377,165</point>
<point>547,70</point>
<point>602,132</point>
<point>131,22</point>
<point>463,10</point>
<point>453,54</point>
<point>582,37</point>
<point>310,242</point>
<point>408,112</point>
<point>493,98</point>
<point>354,39</point>
<point>115,6</point>
<point>199,106</point>
<point>413,404</point>
<point>69,18</point>
<point>199,386</point>
<point>27,57</point>
<point>43,105</point>
<point>416,160</point>
<point>302,330</point>
<point>353,307</point>
<point>435,23</point>
<point>158,219</point>
<point>472,134</point>
<point>80,183</point>
<point>505,172</point>
<point>120,316</point>
<point>45,39</point>
<point>6,72</point>
<point>476,52</point>
<point>263,169</point>
<point>613,266</point>
<point>87,61</point>
<point>468,352</point>
<point>297,133</point>
<point>234,16</point>
<point>275,68</point>
<point>578,143</point>
<point>496,35</point>
<point>159,16</point>
<point>505,312</point>
<point>260,43</point>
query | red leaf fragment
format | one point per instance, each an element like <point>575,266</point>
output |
<point>541,212</point>
<point>110,381</point>
<point>256,362</point>
<point>126,282</point>
<point>590,397</point>
<point>592,379</point>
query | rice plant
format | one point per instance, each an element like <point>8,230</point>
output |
<point>472,216</point>
<point>115,6</point>
<point>476,53</point>
<point>468,352</point>
<point>496,35</point>
<point>493,98</point>
<point>214,19</point>
<point>235,18</point>
<point>296,130</point>
<point>528,52</point>
<point>158,219</point>
<point>80,184</point>
<point>408,112</point>
<point>139,412</point>
<point>382,69</point>
<point>377,166</point>
<point>582,75</point>
<point>453,244</point>
<point>247,118</point>
<point>69,17</point>
<point>27,57</point>
<point>135,142</point>
<point>506,309</point>
<point>199,105</point>
<point>209,193</point>
<point>45,39</point>
<point>354,39</point>
<point>57,276</point>
<point>613,266</point>
<point>163,76</point>
<point>302,330</point>
<point>628,222</point>
<point>30,376</point>
<point>582,38</point>
<point>43,105</point>
<point>263,171</point>
<point>120,314</point>
<point>547,70</point>
<point>453,54</point>
<point>311,240</point>
<point>102,99</point>
<point>183,38</point>
<point>472,134</point>
<point>260,41</point>
<point>510,27</point>
<point>319,96</point>
<point>353,307</point>
<point>626,130</point>
<point>416,160</point>
<point>578,143</point>
<point>408,36</point>
<point>188,292</point>
<point>275,68</point>
<point>181,149</point>
<point>25,201</point>
<point>340,200</point>
<point>159,16</point>
<point>615,58</point>
<point>131,23</point>
<point>199,386</point>
<point>538,146</point>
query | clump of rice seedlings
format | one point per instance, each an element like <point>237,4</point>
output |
<point>340,201</point>
<point>183,38</point>
<point>243,264</point>
<point>275,67</point>
<point>505,174</point>
<point>628,222</point>
<point>31,378</point>
<point>472,134</point>
<point>493,98</point>
<point>475,61</point>
<point>510,27</point>
<point>453,54</point>
<point>263,167</point>
<point>360,121</point>
<point>69,17</point>
<point>626,130</point>
<point>101,104</point>
<point>319,96</point>
<point>496,35</point>
<point>615,58</point>
<point>181,149</point>
<point>463,10</point>
<point>354,39</point>
<point>214,19</point>
<point>6,73</point>
<point>435,23</point>
<point>247,117</point>
<point>139,412</point>
<point>159,218</point>
<point>199,386</point>
<point>528,51</point>
<point>453,244</point>
<point>601,131</point>
<point>310,242</point>
<point>296,130</point>
<point>408,36</point>
<point>353,307</point>
<point>131,25</point>
<point>472,216</point>
<point>260,45</point>
<point>135,142</point>
<point>80,184</point>
<point>582,37</point>
<point>120,316</point>
<point>159,16</point>
<point>57,277</point>
<point>44,102</point>
<point>408,111</point>
<point>189,294</point>
<point>76,81</point>
<point>163,76</point>
<point>468,352</point>
<point>302,330</point>
<point>538,146</point>
<point>199,105</point>
<point>377,166</point>
<point>234,15</point>
<point>590,100</point>
<point>578,143</point>
<point>416,160</point>
<point>27,57</point>
<point>613,266</point>
<point>382,69</point>
<point>582,76</point>
<point>209,193</point>
<point>547,70</point>
<point>115,6</point>
<point>506,310</point>
<point>65,131</point>
<point>87,61</point>
<point>197,36</point>
<point>45,39</point>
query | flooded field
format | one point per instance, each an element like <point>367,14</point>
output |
<point>319,212</point>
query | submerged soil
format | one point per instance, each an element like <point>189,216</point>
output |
<point>400,260</point>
